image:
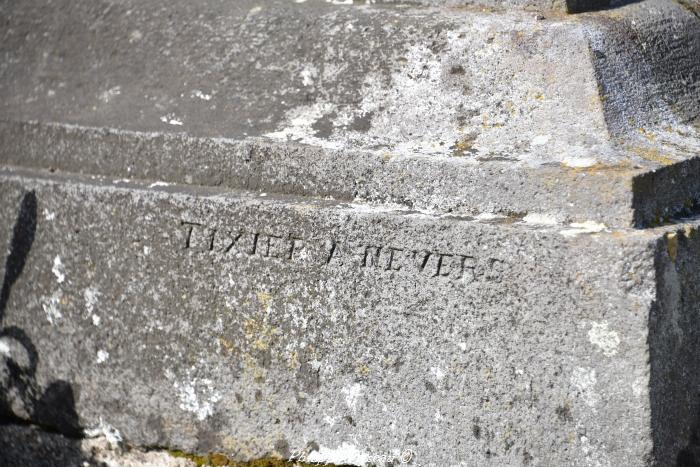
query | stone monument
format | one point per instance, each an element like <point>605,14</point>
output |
<point>443,233</point>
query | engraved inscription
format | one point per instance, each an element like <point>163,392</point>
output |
<point>197,238</point>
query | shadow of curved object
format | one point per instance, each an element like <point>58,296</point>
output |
<point>22,240</point>
<point>53,408</point>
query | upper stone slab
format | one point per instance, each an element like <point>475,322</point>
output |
<point>504,95</point>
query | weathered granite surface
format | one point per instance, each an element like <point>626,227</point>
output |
<point>578,115</point>
<point>450,234</point>
<point>207,320</point>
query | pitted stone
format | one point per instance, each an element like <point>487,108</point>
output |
<point>486,92</point>
<point>351,232</point>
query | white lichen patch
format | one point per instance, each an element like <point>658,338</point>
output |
<point>135,36</point>
<point>584,380</point>
<point>579,162</point>
<point>438,373</point>
<point>353,395</point>
<point>48,215</point>
<point>639,387</point>
<point>254,11</point>
<point>300,121</point>
<point>460,101</point>
<point>345,454</point>
<point>51,307</point>
<point>110,94</point>
<point>577,228</point>
<point>594,455</point>
<point>58,270</point>
<point>488,216</point>
<point>102,356</point>
<point>111,434</point>
<point>4,348</point>
<point>171,120</point>
<point>540,140</point>
<point>201,95</point>
<point>604,338</point>
<point>376,208</point>
<point>308,75</point>
<point>91,296</point>
<point>197,396</point>
<point>537,218</point>
<point>330,421</point>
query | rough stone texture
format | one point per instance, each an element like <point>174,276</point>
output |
<point>571,6</point>
<point>207,320</point>
<point>351,233</point>
<point>428,184</point>
<point>496,97</point>
<point>27,445</point>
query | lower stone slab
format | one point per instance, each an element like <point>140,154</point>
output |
<point>206,321</point>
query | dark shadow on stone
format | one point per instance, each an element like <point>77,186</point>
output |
<point>690,454</point>
<point>674,351</point>
<point>55,409</point>
<point>581,6</point>
<point>28,445</point>
<point>51,434</point>
<point>667,193</point>
<point>22,240</point>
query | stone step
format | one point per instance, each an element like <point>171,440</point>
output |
<point>208,320</point>
<point>457,109</point>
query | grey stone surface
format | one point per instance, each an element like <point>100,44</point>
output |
<point>532,111</point>
<point>208,320</point>
<point>352,233</point>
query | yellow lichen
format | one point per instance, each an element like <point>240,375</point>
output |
<point>653,155</point>
<point>463,145</point>
<point>672,246</point>
<point>264,299</point>
<point>647,134</point>
<point>260,344</point>
<point>254,328</point>
<point>226,344</point>
<point>293,361</point>
<point>623,167</point>
<point>593,102</point>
